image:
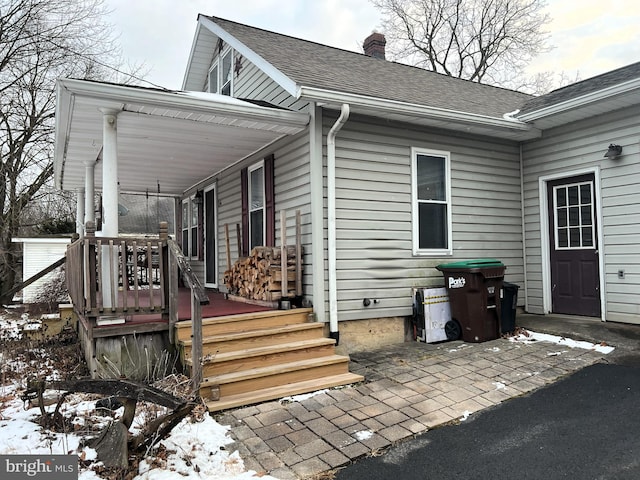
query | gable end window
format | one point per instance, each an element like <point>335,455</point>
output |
<point>221,74</point>
<point>431,202</point>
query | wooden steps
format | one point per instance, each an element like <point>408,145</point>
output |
<point>233,401</point>
<point>244,322</point>
<point>251,358</point>
<point>265,356</point>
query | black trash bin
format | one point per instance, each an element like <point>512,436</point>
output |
<point>474,288</point>
<point>508,302</point>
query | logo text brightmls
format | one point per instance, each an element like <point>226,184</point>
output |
<point>45,467</point>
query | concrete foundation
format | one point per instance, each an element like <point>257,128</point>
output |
<point>363,335</point>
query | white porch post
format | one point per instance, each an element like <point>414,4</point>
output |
<point>89,192</point>
<point>80,206</point>
<point>109,199</point>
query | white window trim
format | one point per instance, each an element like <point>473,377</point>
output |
<point>218,63</point>
<point>189,201</point>
<point>415,220</point>
<point>251,169</point>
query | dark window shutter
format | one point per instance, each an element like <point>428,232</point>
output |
<point>201,227</point>
<point>244,192</point>
<point>270,204</point>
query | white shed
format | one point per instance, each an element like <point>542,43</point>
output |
<point>38,254</point>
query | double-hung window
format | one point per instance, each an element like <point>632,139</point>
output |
<point>256,206</point>
<point>190,237</point>
<point>221,74</point>
<point>431,201</point>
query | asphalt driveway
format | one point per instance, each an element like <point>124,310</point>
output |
<point>585,426</point>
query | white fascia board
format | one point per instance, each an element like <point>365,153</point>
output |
<point>581,101</point>
<point>187,70</point>
<point>394,106</point>
<point>41,239</point>
<point>64,108</point>
<point>277,76</point>
<point>116,96</point>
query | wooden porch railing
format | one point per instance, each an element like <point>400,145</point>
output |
<point>143,278</point>
<point>117,276</point>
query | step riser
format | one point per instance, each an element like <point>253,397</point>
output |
<point>240,323</point>
<point>240,364</point>
<point>291,389</point>
<point>253,324</point>
<point>262,340</point>
<point>257,384</point>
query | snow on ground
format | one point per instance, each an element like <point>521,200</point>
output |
<point>527,336</point>
<point>195,449</point>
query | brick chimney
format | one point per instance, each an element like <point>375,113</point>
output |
<point>374,44</point>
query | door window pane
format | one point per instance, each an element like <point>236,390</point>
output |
<point>563,238</point>
<point>574,223</point>
<point>572,194</point>
<point>574,237</point>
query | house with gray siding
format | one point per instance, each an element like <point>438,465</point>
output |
<point>394,170</point>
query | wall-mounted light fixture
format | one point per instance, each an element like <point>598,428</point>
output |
<point>197,199</point>
<point>614,151</point>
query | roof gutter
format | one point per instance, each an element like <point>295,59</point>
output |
<point>394,106</point>
<point>331,221</point>
<point>581,101</point>
<point>121,94</point>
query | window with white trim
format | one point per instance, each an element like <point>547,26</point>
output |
<point>190,219</point>
<point>431,200</point>
<point>256,205</point>
<point>185,227</point>
<point>221,74</point>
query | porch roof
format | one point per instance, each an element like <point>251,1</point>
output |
<point>167,140</point>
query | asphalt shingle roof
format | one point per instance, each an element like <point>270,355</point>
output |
<point>584,87</point>
<point>315,65</point>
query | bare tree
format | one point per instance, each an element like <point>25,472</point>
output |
<point>485,41</point>
<point>40,41</point>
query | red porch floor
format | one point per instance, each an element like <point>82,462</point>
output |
<point>218,306</point>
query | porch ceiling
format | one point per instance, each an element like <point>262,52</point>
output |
<point>166,140</point>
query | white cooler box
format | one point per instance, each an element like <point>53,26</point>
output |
<point>434,312</point>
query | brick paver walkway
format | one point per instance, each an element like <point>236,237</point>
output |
<point>409,389</point>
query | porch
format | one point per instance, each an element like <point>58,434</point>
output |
<point>134,315</point>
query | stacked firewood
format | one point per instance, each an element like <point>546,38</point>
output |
<point>259,276</point>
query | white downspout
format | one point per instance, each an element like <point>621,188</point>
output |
<point>331,220</point>
<point>524,234</point>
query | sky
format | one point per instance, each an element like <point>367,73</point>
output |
<point>589,37</point>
